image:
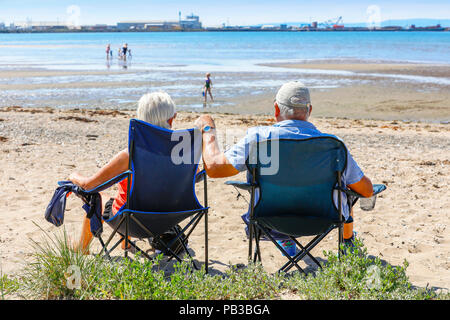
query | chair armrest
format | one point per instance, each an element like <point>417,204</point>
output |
<point>106,184</point>
<point>377,188</point>
<point>240,184</point>
<point>366,204</point>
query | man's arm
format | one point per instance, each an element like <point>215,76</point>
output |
<point>216,164</point>
<point>117,165</point>
<point>363,187</point>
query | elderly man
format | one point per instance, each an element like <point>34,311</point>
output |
<point>292,110</point>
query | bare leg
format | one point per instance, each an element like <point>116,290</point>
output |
<point>86,234</point>
<point>348,228</point>
<point>210,94</point>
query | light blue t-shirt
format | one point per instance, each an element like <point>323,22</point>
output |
<point>238,154</point>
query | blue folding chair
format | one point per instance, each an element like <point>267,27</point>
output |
<point>297,200</point>
<point>162,174</point>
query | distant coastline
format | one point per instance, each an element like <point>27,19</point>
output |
<point>350,29</point>
<point>192,23</point>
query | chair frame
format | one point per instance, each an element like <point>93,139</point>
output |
<point>127,216</point>
<point>256,230</point>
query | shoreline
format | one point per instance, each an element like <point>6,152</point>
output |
<point>360,89</point>
<point>238,29</point>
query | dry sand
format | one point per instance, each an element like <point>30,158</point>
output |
<point>39,147</point>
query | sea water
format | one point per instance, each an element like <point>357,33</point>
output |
<point>176,62</point>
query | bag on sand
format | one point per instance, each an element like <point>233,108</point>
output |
<point>167,237</point>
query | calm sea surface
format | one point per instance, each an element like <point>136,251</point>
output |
<point>175,62</point>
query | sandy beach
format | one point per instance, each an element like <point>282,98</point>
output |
<point>40,146</point>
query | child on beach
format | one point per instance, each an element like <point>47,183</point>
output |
<point>207,87</point>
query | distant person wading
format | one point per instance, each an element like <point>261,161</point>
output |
<point>207,87</point>
<point>124,51</point>
<point>108,51</point>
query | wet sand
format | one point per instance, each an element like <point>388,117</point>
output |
<point>366,90</point>
<point>382,99</point>
<point>361,66</point>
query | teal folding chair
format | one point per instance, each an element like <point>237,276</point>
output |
<point>298,200</point>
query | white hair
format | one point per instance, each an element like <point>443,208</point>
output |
<point>289,112</point>
<point>156,108</point>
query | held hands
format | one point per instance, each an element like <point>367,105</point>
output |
<point>203,121</point>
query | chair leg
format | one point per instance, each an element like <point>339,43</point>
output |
<point>205,193</point>
<point>192,224</point>
<point>108,252</point>
<point>257,255</point>
<point>105,245</point>
<point>314,242</point>
<point>140,250</point>
<point>250,238</point>
<point>127,225</point>
<point>299,256</point>
<point>206,241</point>
<point>104,248</point>
<point>340,239</point>
<point>307,252</point>
<point>291,260</point>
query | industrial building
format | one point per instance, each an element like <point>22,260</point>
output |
<point>192,22</point>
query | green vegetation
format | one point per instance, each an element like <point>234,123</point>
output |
<point>355,276</point>
<point>8,286</point>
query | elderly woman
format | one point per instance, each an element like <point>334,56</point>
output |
<point>156,108</point>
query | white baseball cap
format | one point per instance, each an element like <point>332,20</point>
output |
<point>293,94</point>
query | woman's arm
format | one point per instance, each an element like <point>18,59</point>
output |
<point>117,165</point>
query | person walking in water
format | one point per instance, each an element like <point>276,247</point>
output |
<point>124,51</point>
<point>108,51</point>
<point>207,87</point>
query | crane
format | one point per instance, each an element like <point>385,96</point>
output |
<point>336,25</point>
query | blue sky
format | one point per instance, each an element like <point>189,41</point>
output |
<point>213,13</point>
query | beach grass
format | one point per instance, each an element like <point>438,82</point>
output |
<point>8,286</point>
<point>356,275</point>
